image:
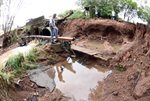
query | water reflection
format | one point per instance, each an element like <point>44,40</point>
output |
<point>64,65</point>
<point>59,70</point>
<point>76,80</point>
<point>95,93</point>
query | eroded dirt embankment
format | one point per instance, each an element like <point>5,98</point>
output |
<point>134,55</point>
<point>132,52</point>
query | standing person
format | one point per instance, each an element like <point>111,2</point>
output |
<point>53,28</point>
<point>113,15</point>
<point>87,13</point>
<point>96,12</point>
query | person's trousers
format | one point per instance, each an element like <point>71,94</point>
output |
<point>53,32</point>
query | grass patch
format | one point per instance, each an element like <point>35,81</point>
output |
<point>31,56</point>
<point>15,61</point>
<point>6,78</point>
<point>17,65</point>
<point>51,58</point>
<point>28,66</point>
<point>120,67</point>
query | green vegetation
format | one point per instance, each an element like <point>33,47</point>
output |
<point>120,67</point>
<point>51,58</point>
<point>128,8</point>
<point>15,61</point>
<point>14,36</point>
<point>32,55</point>
<point>16,66</point>
<point>76,14</point>
<point>144,13</point>
<point>28,66</point>
<point>6,78</point>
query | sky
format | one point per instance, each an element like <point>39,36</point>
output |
<point>36,8</point>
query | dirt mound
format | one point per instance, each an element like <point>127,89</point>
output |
<point>135,80</point>
<point>76,28</point>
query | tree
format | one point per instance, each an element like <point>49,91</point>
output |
<point>8,9</point>
<point>144,13</point>
<point>1,2</point>
<point>90,3</point>
<point>142,2</point>
<point>129,8</point>
<point>105,7</point>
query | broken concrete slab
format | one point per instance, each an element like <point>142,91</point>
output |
<point>90,52</point>
<point>41,78</point>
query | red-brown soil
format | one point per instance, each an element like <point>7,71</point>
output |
<point>134,55</point>
<point>133,84</point>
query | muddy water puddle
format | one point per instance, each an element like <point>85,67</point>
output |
<point>103,46</point>
<point>116,47</point>
<point>77,80</point>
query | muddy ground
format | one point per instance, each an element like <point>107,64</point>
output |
<point>133,55</point>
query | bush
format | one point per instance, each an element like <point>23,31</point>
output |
<point>76,14</point>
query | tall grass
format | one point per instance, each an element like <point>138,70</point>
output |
<point>16,65</point>
<point>6,78</point>
<point>31,56</point>
<point>15,61</point>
